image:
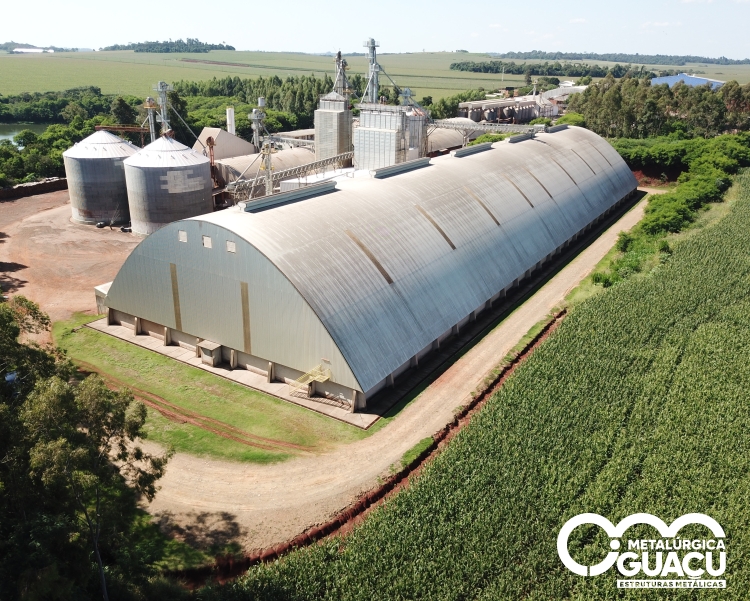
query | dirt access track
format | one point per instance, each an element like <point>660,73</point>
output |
<point>57,264</point>
<point>53,261</point>
<point>268,505</point>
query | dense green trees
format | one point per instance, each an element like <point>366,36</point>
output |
<point>554,69</point>
<point>633,108</point>
<point>122,112</point>
<point>619,57</point>
<point>50,107</point>
<point>71,470</point>
<point>448,107</point>
<point>189,45</point>
<point>41,155</point>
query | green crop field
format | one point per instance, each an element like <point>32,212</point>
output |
<point>637,403</point>
<point>127,72</point>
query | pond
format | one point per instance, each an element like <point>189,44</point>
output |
<point>9,130</point>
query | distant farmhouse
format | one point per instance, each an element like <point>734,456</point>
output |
<point>688,80</point>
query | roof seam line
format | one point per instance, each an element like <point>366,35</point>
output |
<point>484,206</point>
<point>584,161</point>
<point>512,183</point>
<point>436,226</point>
<point>538,182</point>
<point>370,256</point>
<point>565,170</point>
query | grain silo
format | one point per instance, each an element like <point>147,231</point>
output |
<point>96,178</point>
<point>166,182</point>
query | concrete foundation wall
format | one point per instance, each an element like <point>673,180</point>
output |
<point>152,329</point>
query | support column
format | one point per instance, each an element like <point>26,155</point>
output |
<point>414,361</point>
<point>233,359</point>
<point>353,406</point>
<point>110,316</point>
<point>167,336</point>
<point>137,326</point>
<point>473,316</point>
<point>311,389</point>
<point>454,330</point>
<point>436,344</point>
<point>271,373</point>
<point>389,380</point>
<point>197,348</point>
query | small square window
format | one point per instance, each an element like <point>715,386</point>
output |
<point>231,247</point>
<point>207,241</point>
<point>182,236</point>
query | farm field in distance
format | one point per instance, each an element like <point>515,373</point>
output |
<point>127,72</point>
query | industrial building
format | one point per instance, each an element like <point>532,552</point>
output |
<point>344,285</point>
<point>224,144</point>
<point>689,80</point>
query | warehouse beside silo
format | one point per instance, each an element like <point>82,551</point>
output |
<point>366,275</point>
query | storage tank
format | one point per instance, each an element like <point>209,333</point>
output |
<point>96,178</point>
<point>166,181</point>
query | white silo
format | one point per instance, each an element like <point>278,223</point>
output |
<point>167,181</point>
<point>96,178</point>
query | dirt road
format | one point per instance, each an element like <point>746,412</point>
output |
<point>270,504</point>
<point>55,262</point>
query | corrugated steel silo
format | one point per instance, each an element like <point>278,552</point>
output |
<point>96,178</point>
<point>167,181</point>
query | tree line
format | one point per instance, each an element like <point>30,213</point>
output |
<point>620,57</point>
<point>633,108</point>
<point>189,45</point>
<point>558,69</point>
<point>72,469</point>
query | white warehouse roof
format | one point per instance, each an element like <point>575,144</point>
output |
<point>369,275</point>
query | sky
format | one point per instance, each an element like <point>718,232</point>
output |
<point>698,27</point>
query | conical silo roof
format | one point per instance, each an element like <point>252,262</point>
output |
<point>166,152</point>
<point>101,145</point>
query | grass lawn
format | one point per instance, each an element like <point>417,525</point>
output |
<point>193,389</point>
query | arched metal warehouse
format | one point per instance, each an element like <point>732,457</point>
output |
<point>371,275</point>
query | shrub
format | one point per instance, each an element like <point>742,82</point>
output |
<point>572,119</point>
<point>624,241</point>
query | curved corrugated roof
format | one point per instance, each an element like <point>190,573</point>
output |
<point>230,169</point>
<point>101,145</point>
<point>388,265</point>
<point>443,139</point>
<point>166,152</point>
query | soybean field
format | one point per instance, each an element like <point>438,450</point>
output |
<point>637,403</point>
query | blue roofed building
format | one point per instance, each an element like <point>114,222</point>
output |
<point>688,80</point>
